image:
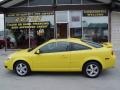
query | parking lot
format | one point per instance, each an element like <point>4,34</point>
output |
<point>108,80</point>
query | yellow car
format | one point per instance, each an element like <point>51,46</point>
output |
<point>63,55</point>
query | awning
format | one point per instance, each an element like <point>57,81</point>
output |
<point>114,4</point>
<point>9,3</point>
<point>97,26</point>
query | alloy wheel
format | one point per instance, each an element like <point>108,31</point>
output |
<point>92,70</point>
<point>21,69</point>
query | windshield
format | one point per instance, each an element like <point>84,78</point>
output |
<point>93,44</point>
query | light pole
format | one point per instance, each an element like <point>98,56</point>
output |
<point>55,25</point>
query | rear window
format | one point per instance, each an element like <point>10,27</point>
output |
<point>93,44</point>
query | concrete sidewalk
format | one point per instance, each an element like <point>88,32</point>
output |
<point>5,53</point>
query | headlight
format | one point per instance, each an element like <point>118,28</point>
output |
<point>9,57</point>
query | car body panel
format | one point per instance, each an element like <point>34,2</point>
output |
<point>63,61</point>
<point>51,61</point>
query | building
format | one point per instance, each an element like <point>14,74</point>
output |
<point>29,23</point>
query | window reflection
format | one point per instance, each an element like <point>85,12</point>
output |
<point>2,41</point>
<point>91,1</point>
<point>69,1</point>
<point>75,24</point>
<point>23,31</point>
<point>95,26</point>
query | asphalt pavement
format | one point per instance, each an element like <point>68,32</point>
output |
<point>108,80</point>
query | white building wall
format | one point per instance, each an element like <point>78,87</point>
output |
<point>115,30</point>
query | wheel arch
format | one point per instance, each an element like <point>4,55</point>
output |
<point>97,61</point>
<point>21,61</point>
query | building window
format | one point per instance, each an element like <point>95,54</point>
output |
<point>63,1</point>
<point>23,31</point>
<point>31,29</point>
<point>75,24</point>
<point>2,41</point>
<point>40,2</point>
<point>68,1</point>
<point>76,1</point>
<point>95,25</point>
<point>91,1</point>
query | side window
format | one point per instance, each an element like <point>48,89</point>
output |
<point>55,47</point>
<point>75,47</point>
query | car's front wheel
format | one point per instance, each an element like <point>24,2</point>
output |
<point>21,68</point>
<point>1,46</point>
<point>92,69</point>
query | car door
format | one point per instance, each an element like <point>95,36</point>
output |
<point>53,57</point>
<point>78,53</point>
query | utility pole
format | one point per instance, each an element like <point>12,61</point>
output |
<point>55,24</point>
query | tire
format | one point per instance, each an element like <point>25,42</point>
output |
<point>21,68</point>
<point>1,46</point>
<point>92,69</point>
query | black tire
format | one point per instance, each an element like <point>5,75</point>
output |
<point>1,46</point>
<point>92,69</point>
<point>21,68</point>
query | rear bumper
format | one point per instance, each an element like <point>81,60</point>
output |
<point>110,63</point>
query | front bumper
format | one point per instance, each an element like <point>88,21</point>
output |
<point>8,65</point>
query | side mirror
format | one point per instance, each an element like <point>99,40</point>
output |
<point>37,52</point>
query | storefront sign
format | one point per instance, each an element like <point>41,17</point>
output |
<point>92,13</point>
<point>28,14</point>
<point>28,19</point>
<point>27,25</point>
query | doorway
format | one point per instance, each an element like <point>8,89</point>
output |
<point>62,30</point>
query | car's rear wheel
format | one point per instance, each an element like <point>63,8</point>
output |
<point>21,68</point>
<point>92,69</point>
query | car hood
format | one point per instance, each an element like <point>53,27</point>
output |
<point>20,53</point>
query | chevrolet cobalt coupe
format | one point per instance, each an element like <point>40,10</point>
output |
<point>63,55</point>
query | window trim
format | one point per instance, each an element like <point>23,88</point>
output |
<point>67,49</point>
<point>89,48</point>
<point>91,44</point>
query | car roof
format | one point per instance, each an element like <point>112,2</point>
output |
<point>75,40</point>
<point>68,39</point>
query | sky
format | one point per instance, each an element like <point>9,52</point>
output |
<point>1,22</point>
